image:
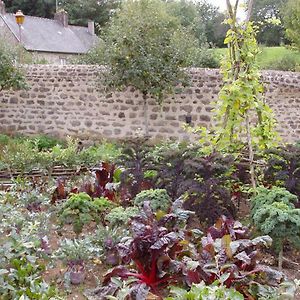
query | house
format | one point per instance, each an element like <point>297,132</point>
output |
<point>53,41</point>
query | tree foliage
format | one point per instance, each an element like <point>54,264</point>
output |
<point>292,21</point>
<point>146,48</point>
<point>39,8</point>
<point>270,33</point>
<point>10,75</point>
<point>80,12</point>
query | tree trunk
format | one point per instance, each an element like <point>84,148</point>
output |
<point>280,258</point>
<point>146,118</point>
<point>249,10</point>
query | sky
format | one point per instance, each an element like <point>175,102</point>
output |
<point>219,3</point>
<point>222,5</point>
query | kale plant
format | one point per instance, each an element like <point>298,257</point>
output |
<point>135,159</point>
<point>273,212</point>
<point>80,210</point>
<point>283,168</point>
<point>205,184</point>
<point>158,198</point>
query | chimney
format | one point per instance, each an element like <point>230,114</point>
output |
<point>62,17</point>
<point>2,8</point>
<point>91,27</point>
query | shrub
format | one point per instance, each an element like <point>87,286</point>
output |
<point>274,213</point>
<point>158,198</point>
<point>288,62</point>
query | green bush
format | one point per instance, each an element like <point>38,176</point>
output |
<point>287,63</point>
<point>158,198</point>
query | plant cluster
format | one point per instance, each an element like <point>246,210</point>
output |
<point>273,212</point>
<point>102,184</point>
<point>283,168</point>
<point>158,198</point>
<point>135,160</point>
<point>26,154</point>
<point>160,251</point>
<point>80,210</point>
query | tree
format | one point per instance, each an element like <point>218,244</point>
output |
<point>146,48</point>
<point>270,33</point>
<point>186,11</point>
<point>39,8</point>
<point>10,75</point>
<point>202,18</point>
<point>81,11</point>
<point>292,21</point>
<point>212,18</point>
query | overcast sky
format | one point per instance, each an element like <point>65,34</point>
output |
<point>222,5</point>
<point>219,3</point>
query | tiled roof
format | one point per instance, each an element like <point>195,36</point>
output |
<point>40,34</point>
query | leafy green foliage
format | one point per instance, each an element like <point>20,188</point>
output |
<point>291,21</point>
<point>43,152</point>
<point>39,8</point>
<point>75,252</point>
<point>10,75</point>
<point>283,168</point>
<point>120,216</point>
<point>146,48</point>
<point>241,94</point>
<point>136,161</point>
<point>80,210</point>
<point>270,33</point>
<point>23,281</point>
<point>289,62</point>
<point>158,198</point>
<point>82,11</point>
<point>274,213</point>
<point>202,292</point>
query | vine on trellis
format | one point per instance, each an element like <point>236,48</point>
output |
<point>242,115</point>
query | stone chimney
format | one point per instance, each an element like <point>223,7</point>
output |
<point>2,8</point>
<point>91,27</point>
<point>62,17</point>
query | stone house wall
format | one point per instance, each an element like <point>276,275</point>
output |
<point>69,100</point>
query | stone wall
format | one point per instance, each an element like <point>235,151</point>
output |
<point>69,100</point>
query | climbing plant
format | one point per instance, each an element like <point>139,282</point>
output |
<point>242,115</point>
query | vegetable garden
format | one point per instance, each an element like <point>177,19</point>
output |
<point>142,221</point>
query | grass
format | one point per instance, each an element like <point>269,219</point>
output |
<point>274,58</point>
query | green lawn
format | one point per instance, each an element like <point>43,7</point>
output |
<point>278,58</point>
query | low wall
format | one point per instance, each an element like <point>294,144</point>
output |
<point>69,100</point>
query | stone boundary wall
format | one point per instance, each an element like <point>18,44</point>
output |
<point>69,100</point>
